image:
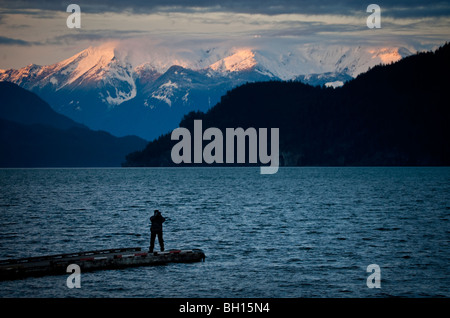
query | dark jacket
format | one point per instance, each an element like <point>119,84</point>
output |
<point>157,221</point>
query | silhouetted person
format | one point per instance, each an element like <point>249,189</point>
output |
<point>156,228</point>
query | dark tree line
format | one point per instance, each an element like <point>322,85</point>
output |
<point>391,115</point>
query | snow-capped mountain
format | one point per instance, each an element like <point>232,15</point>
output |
<point>146,93</point>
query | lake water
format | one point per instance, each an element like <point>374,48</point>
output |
<point>303,232</point>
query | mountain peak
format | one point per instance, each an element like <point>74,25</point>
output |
<point>240,60</point>
<point>388,55</point>
<point>89,64</point>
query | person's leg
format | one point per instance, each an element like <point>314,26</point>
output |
<point>161,241</point>
<point>152,241</point>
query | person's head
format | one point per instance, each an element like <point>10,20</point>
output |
<point>157,212</point>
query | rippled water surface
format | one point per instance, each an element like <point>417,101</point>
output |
<point>303,232</point>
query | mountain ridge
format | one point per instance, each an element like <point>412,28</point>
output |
<point>91,86</point>
<point>34,135</point>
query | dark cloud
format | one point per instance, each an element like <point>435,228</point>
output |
<point>93,35</point>
<point>398,8</point>
<point>304,29</point>
<point>10,41</point>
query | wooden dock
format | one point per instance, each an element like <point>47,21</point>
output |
<point>93,260</point>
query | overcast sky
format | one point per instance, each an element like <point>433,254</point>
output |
<point>36,31</point>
